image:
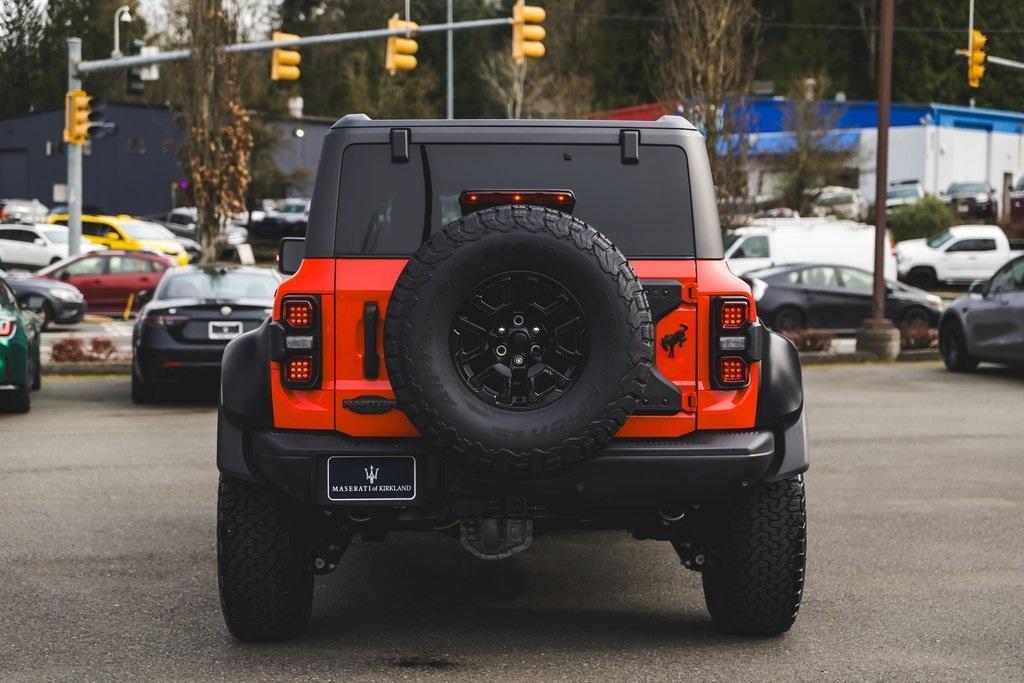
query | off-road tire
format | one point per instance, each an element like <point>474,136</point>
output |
<point>754,577</point>
<point>953,348</point>
<point>436,280</point>
<point>264,565</point>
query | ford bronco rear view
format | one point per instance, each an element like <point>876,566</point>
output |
<point>499,329</point>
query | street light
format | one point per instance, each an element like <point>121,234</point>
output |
<point>121,15</point>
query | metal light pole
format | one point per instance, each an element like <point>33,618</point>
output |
<point>450,93</point>
<point>74,152</point>
<point>877,333</point>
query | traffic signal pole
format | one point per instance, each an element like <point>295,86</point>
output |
<point>97,65</point>
<point>78,68</point>
<point>73,189</point>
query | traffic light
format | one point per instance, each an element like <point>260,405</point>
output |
<point>976,58</point>
<point>401,51</point>
<point>133,84</point>
<point>284,64</point>
<point>526,32</point>
<point>83,118</point>
<point>76,117</point>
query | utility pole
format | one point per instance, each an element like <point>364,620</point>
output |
<point>74,152</point>
<point>877,334</point>
<point>450,93</point>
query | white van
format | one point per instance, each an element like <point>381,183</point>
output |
<point>770,242</point>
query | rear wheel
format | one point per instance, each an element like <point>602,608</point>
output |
<point>18,400</point>
<point>789,319</point>
<point>141,391</point>
<point>754,578</point>
<point>264,562</point>
<point>953,347</point>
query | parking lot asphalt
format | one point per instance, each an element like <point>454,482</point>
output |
<point>916,558</point>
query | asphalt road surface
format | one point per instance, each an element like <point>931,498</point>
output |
<point>916,558</point>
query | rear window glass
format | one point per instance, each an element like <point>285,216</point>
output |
<point>387,208</point>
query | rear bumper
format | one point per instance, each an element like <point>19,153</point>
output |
<point>157,364</point>
<point>701,467</point>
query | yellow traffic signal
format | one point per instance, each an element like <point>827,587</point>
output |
<point>284,64</point>
<point>401,51</point>
<point>76,117</point>
<point>976,58</point>
<point>526,33</point>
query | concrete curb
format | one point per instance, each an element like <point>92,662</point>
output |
<point>87,369</point>
<point>829,358</point>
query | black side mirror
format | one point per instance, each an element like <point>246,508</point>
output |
<point>977,287</point>
<point>144,297</point>
<point>290,252</point>
<point>65,275</point>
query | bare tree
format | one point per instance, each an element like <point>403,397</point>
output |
<point>521,97</point>
<point>817,156</point>
<point>702,65</point>
<point>216,140</point>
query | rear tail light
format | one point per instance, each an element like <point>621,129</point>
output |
<point>474,200</point>
<point>164,320</point>
<point>300,358</point>
<point>732,370</point>
<point>733,314</point>
<point>6,328</point>
<point>298,370</point>
<point>732,349</point>
<point>298,313</point>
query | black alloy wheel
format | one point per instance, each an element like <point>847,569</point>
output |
<point>519,340</point>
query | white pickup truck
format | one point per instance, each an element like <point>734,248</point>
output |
<point>964,253</point>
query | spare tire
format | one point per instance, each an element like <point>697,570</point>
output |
<point>518,340</point>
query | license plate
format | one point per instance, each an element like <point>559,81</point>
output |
<point>962,208</point>
<point>356,478</point>
<point>224,330</point>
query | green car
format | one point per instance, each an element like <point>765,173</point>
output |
<point>19,351</point>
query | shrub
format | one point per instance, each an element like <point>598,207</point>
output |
<point>923,218</point>
<point>918,336</point>
<point>810,340</point>
<point>73,350</point>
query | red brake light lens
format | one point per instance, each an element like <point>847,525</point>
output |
<point>732,370</point>
<point>298,313</point>
<point>733,315</point>
<point>298,370</point>
<point>6,328</point>
<point>164,320</point>
<point>474,200</point>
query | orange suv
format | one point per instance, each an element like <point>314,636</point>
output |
<point>499,329</point>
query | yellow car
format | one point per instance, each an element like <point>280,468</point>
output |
<point>130,234</point>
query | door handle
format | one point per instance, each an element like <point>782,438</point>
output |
<point>96,281</point>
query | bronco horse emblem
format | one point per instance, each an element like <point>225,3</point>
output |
<point>670,341</point>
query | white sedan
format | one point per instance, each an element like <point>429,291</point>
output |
<point>34,245</point>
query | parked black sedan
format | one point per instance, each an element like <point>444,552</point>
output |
<point>63,304</point>
<point>824,296</point>
<point>988,323</point>
<point>187,321</point>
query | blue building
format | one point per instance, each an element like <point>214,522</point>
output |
<point>134,170</point>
